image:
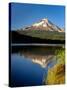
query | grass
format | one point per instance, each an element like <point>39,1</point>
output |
<point>56,74</point>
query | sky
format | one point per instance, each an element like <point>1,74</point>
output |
<point>23,15</point>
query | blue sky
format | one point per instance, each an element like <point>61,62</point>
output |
<point>23,15</point>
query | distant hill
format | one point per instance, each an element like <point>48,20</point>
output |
<point>18,37</point>
<point>43,34</point>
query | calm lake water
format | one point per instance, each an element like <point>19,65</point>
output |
<point>29,65</point>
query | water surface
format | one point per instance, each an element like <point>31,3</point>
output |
<point>29,65</point>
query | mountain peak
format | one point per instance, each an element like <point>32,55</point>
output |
<point>42,22</point>
<point>46,25</point>
<point>45,19</point>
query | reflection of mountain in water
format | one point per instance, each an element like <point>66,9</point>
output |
<point>43,60</point>
<point>40,55</point>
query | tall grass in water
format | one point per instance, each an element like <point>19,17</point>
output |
<point>56,74</point>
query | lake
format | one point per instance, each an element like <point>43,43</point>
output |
<point>30,64</point>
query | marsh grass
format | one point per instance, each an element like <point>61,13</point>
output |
<point>56,74</point>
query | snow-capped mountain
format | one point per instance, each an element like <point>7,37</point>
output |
<point>44,24</point>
